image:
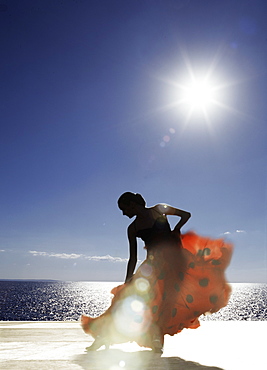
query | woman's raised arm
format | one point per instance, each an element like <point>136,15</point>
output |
<point>172,211</point>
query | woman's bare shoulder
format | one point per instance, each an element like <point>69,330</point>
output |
<point>161,208</point>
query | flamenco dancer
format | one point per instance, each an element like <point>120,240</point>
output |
<point>181,279</point>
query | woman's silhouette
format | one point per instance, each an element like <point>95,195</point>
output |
<point>181,279</point>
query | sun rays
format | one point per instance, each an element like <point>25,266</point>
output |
<point>198,95</point>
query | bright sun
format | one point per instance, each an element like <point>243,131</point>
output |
<point>199,95</point>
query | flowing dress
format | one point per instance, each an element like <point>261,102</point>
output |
<point>181,279</point>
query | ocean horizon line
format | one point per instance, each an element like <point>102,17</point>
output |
<point>108,281</point>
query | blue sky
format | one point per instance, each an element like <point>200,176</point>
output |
<point>92,105</point>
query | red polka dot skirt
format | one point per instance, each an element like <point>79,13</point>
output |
<point>179,281</point>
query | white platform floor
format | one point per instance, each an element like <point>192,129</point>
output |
<point>228,345</point>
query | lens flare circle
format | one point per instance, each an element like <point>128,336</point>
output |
<point>142,285</point>
<point>137,306</point>
<point>146,270</point>
<point>131,316</point>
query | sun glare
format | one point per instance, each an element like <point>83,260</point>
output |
<point>198,95</point>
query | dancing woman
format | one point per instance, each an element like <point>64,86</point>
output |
<point>181,279</point>
<point>149,223</point>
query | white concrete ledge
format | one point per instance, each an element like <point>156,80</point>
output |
<point>228,345</point>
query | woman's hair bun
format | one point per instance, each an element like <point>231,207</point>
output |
<point>128,197</point>
<point>140,200</point>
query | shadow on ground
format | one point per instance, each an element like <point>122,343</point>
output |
<point>114,359</point>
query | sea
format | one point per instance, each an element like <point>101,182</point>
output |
<point>65,301</point>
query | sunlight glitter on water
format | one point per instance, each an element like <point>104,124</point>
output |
<point>56,301</point>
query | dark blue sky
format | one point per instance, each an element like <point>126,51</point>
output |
<point>91,107</point>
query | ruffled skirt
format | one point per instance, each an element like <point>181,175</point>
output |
<point>180,280</point>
